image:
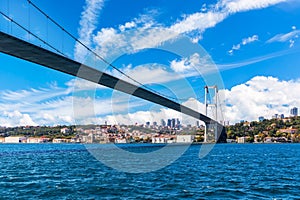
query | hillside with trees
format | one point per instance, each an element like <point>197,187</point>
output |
<point>280,130</point>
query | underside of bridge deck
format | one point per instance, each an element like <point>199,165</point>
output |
<point>32,53</point>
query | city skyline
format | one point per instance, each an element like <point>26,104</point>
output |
<point>254,45</point>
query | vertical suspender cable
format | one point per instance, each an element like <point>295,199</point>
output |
<point>9,21</point>
<point>29,22</point>
<point>62,40</point>
<point>98,56</point>
<point>47,24</point>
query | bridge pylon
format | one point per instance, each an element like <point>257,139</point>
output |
<point>213,130</point>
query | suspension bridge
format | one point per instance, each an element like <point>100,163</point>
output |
<point>54,58</point>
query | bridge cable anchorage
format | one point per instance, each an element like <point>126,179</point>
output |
<point>103,59</point>
<point>34,35</point>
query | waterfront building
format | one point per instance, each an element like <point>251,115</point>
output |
<point>158,140</point>
<point>230,140</point>
<point>12,139</point>
<point>163,139</point>
<point>120,140</point>
<point>185,138</point>
<point>241,140</point>
<point>294,111</point>
<point>61,140</point>
<point>268,140</point>
<point>33,140</point>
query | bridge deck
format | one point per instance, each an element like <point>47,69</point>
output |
<point>32,53</point>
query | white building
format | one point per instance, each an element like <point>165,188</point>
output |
<point>185,138</point>
<point>158,140</point>
<point>61,140</point>
<point>64,130</point>
<point>241,140</point>
<point>120,140</point>
<point>33,140</point>
<point>15,139</point>
<point>88,138</point>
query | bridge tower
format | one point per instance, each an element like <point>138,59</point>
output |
<point>211,127</point>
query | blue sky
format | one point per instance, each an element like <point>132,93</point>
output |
<point>249,48</point>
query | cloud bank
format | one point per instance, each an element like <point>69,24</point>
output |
<point>260,96</point>
<point>144,32</point>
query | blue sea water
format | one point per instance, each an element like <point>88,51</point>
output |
<point>229,171</point>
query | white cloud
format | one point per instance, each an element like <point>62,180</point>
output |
<point>141,117</point>
<point>15,118</point>
<point>198,21</point>
<point>292,42</point>
<point>244,42</point>
<point>127,25</point>
<point>249,39</point>
<point>79,84</point>
<point>252,60</point>
<point>261,96</point>
<point>144,32</point>
<point>56,105</point>
<point>194,65</point>
<point>290,37</point>
<point>88,24</point>
<point>284,37</point>
<point>186,64</point>
<point>236,47</point>
<point>234,6</point>
<point>148,74</point>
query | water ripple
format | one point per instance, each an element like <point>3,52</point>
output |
<point>230,171</point>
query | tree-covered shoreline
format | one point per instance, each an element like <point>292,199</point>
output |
<point>283,130</point>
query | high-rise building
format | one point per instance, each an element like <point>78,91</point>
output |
<point>169,123</point>
<point>294,111</point>
<point>173,123</point>
<point>163,122</point>
<point>177,122</point>
<point>275,116</point>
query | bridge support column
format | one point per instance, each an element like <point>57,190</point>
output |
<point>205,133</point>
<point>214,104</point>
<point>214,133</point>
